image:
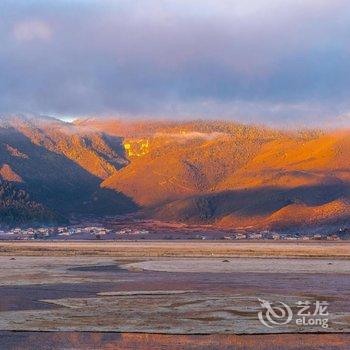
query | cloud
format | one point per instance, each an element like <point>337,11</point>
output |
<point>191,135</point>
<point>32,30</point>
<point>259,60</point>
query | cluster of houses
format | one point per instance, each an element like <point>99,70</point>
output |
<point>28,233</point>
<point>67,231</point>
<point>53,232</point>
<point>91,230</point>
<point>128,231</point>
<point>276,236</point>
<point>96,232</point>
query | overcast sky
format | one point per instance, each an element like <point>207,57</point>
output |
<point>267,61</point>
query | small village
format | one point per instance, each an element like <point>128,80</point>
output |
<point>100,232</point>
<point>66,232</point>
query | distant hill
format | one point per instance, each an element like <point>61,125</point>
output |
<point>62,166</point>
<point>235,175</point>
<point>214,172</point>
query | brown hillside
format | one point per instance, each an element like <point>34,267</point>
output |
<point>213,172</point>
<point>62,166</point>
<point>232,174</point>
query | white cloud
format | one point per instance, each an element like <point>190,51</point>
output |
<point>32,30</point>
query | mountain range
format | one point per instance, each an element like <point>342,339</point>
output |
<point>201,172</point>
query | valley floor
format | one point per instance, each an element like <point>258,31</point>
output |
<point>323,249</point>
<point>176,295</point>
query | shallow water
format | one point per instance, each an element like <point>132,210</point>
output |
<point>85,296</point>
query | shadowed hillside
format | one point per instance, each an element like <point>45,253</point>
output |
<point>62,167</point>
<point>212,172</point>
<point>232,174</point>
<point>16,207</point>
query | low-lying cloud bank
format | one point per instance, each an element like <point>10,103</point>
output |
<point>258,61</point>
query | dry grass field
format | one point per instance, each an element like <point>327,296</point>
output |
<point>339,250</point>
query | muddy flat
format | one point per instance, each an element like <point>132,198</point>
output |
<point>132,341</point>
<point>186,300</point>
<point>267,265</point>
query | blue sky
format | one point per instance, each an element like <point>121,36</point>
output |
<point>278,62</point>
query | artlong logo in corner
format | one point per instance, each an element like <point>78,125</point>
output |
<point>273,315</point>
<point>308,314</point>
